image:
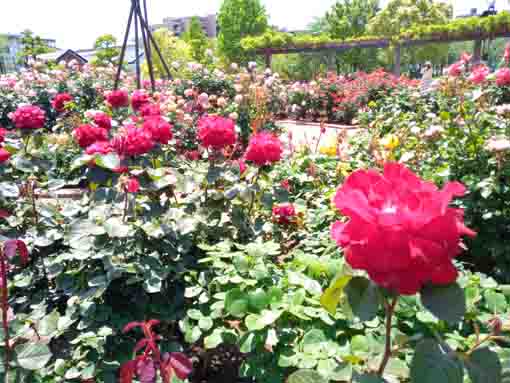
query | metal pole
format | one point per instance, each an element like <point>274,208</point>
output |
<point>158,51</point>
<point>123,51</point>
<point>148,53</point>
<point>137,52</point>
<point>146,46</point>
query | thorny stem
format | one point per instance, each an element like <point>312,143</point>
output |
<point>5,309</point>
<point>390,310</point>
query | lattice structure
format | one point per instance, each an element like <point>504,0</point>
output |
<point>141,27</point>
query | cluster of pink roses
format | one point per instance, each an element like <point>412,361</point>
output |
<point>28,117</point>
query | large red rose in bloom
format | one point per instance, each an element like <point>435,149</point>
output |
<point>117,98</point>
<point>103,120</point>
<point>29,117</point>
<point>284,213</point>
<point>216,132</point>
<point>160,130</point>
<point>60,100</point>
<point>4,155</point>
<point>264,149</point>
<point>139,98</point>
<point>85,135</point>
<point>133,141</point>
<point>503,77</point>
<point>401,230</point>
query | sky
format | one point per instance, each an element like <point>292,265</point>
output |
<point>75,24</point>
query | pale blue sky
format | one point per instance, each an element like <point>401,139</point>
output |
<point>76,23</point>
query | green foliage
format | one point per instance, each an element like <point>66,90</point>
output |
<point>196,38</point>
<point>349,19</point>
<point>238,19</point>
<point>32,46</point>
<point>174,50</point>
<point>106,50</point>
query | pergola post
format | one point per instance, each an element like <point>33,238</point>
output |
<point>477,52</point>
<point>397,60</point>
<point>269,59</point>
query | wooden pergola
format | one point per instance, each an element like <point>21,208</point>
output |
<point>477,37</point>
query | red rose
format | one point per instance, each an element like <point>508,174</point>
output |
<point>4,155</point>
<point>3,133</point>
<point>99,147</point>
<point>503,77</point>
<point>133,142</point>
<point>103,120</point>
<point>60,100</point>
<point>29,117</point>
<point>284,213</point>
<point>150,110</point>
<point>139,98</point>
<point>216,132</point>
<point>132,185</point>
<point>160,130</point>
<point>479,74</point>
<point>455,69</point>
<point>117,99</point>
<point>401,230</point>
<point>264,149</point>
<point>285,184</point>
<point>85,135</point>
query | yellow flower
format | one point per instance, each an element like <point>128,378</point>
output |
<point>343,169</point>
<point>390,142</point>
<point>330,149</point>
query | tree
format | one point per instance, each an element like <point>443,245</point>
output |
<point>107,51</point>
<point>238,19</point>
<point>349,19</point>
<point>400,15</point>
<point>196,38</point>
<point>175,51</point>
<point>32,46</point>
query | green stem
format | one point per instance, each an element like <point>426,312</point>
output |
<point>390,310</point>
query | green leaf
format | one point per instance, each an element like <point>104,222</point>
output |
<point>447,303</point>
<point>367,378</point>
<point>205,323</point>
<point>306,376</point>
<point>33,356</point>
<point>333,294</point>
<point>484,366</point>
<point>363,297</point>
<point>115,228</point>
<point>108,161</point>
<point>496,302</point>
<point>432,363</point>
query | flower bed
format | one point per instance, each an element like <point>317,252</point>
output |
<point>205,248</point>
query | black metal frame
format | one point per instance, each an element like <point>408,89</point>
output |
<point>141,22</point>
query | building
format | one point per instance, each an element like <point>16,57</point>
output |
<point>9,56</point>
<point>178,25</point>
<point>84,56</point>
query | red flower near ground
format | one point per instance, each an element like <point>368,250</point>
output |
<point>479,74</point>
<point>216,132</point>
<point>85,135</point>
<point>4,155</point>
<point>150,110</point>
<point>99,147</point>
<point>132,185</point>
<point>284,213</point>
<point>103,120</point>
<point>401,230</point>
<point>60,100</point>
<point>117,99</point>
<point>29,117</point>
<point>139,98</point>
<point>503,77</point>
<point>133,142</point>
<point>160,130</point>
<point>264,149</point>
